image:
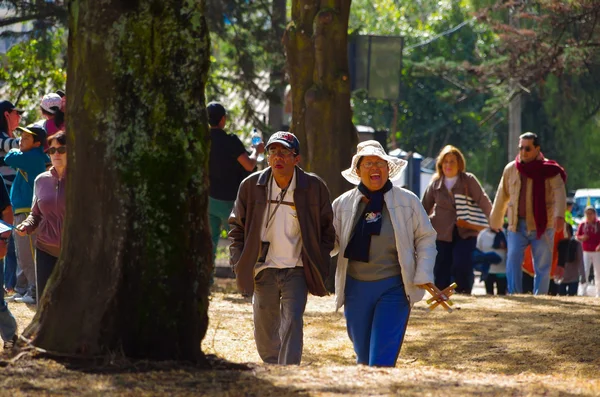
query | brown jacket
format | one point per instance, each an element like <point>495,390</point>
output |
<point>439,204</point>
<point>507,196</point>
<point>315,216</point>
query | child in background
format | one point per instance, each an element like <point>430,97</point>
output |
<point>29,161</point>
<point>489,242</point>
<point>570,259</point>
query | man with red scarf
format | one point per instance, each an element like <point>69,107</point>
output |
<point>533,189</point>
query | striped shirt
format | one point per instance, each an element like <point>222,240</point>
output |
<point>7,143</point>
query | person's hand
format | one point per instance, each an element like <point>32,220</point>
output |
<point>559,223</point>
<point>583,237</point>
<point>438,294</point>
<point>260,148</point>
<point>21,230</point>
<point>4,243</point>
<point>598,248</point>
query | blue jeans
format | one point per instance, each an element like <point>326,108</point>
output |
<point>10,265</point>
<point>541,250</point>
<point>376,318</point>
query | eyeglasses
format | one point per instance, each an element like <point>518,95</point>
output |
<point>281,151</point>
<point>525,148</point>
<point>59,150</point>
<point>378,164</point>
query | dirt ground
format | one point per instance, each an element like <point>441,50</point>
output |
<point>491,346</point>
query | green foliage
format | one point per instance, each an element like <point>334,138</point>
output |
<point>441,103</point>
<point>34,67</point>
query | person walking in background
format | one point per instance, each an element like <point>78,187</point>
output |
<point>229,164</point>
<point>29,161</point>
<point>589,235</point>
<point>386,254</point>
<point>8,324</point>
<point>490,241</point>
<point>48,211</point>
<point>10,117</point>
<point>570,263</point>
<point>569,212</point>
<point>281,236</point>
<point>456,240</point>
<point>532,188</point>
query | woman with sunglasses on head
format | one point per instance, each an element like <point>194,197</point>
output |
<point>456,240</point>
<point>386,252</point>
<point>48,211</point>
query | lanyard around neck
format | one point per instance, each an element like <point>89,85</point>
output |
<point>279,201</point>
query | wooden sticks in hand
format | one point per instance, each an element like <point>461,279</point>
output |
<point>440,297</point>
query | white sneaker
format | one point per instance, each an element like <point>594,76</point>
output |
<point>13,297</point>
<point>28,299</point>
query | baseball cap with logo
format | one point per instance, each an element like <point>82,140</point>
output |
<point>51,103</point>
<point>287,139</point>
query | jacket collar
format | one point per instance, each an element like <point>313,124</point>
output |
<point>55,173</point>
<point>301,178</point>
<point>439,183</point>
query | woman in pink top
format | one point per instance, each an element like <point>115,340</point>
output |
<point>48,211</point>
<point>589,235</point>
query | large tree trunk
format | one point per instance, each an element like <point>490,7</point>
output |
<point>133,271</point>
<point>316,42</point>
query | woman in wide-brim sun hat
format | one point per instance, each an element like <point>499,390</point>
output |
<point>386,253</point>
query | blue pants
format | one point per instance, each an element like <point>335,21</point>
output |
<point>541,251</point>
<point>376,317</point>
<point>10,265</point>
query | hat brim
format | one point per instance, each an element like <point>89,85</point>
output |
<point>395,167</point>
<point>27,130</point>
<point>281,141</point>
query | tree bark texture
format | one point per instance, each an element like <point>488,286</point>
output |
<point>136,257</point>
<point>316,42</point>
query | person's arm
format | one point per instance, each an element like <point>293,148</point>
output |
<point>18,159</point>
<point>337,224</point>
<point>560,201</point>
<point>479,195</point>
<point>328,236</point>
<point>424,243</point>
<point>428,200</point>
<point>30,224</point>
<point>580,235</point>
<point>500,203</point>
<point>249,161</point>
<point>237,221</point>
<point>8,143</point>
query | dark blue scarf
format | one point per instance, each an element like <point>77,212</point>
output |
<point>368,225</point>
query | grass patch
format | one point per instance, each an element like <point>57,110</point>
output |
<point>497,346</point>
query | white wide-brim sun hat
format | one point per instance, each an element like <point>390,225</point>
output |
<point>373,148</point>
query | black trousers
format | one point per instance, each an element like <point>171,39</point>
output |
<point>44,265</point>
<point>454,263</point>
<point>500,282</point>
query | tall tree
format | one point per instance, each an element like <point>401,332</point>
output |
<point>316,42</point>
<point>133,271</point>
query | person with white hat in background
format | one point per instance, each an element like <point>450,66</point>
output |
<point>386,254</point>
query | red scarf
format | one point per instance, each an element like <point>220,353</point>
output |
<point>539,171</point>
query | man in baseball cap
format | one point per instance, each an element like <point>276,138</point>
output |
<point>287,139</point>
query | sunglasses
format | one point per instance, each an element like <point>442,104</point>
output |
<point>281,151</point>
<point>525,148</point>
<point>59,150</point>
